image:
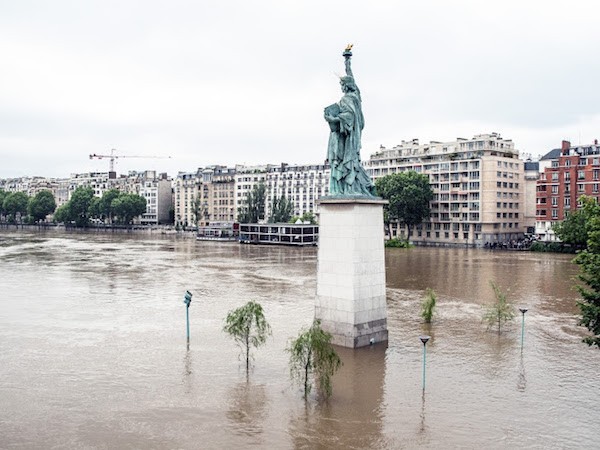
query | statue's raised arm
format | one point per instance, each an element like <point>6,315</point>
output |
<point>347,59</point>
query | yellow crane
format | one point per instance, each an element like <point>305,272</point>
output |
<point>113,156</point>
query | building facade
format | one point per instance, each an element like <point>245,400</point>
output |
<point>566,174</point>
<point>478,186</point>
<point>302,185</point>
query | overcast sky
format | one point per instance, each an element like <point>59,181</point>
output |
<point>245,82</point>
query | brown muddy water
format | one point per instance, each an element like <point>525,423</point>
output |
<point>93,350</point>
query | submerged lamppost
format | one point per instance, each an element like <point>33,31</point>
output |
<point>523,311</point>
<point>424,340</point>
<point>187,299</point>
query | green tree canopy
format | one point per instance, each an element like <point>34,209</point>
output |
<point>281,210</point>
<point>253,210</point>
<point>16,203</point>
<point>312,355</point>
<point>408,194</point>
<point>248,327</point>
<point>589,263</point>
<point>128,206</point>
<point>62,214</point>
<point>3,195</point>
<point>105,205</point>
<point>576,227</point>
<point>41,205</point>
<point>79,205</point>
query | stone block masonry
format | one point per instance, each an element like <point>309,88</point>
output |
<point>351,296</point>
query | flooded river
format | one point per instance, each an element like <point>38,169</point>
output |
<point>93,350</point>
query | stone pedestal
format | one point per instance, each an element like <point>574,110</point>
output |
<point>351,296</point>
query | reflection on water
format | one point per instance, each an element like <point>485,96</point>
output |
<point>247,410</point>
<point>522,379</point>
<point>93,350</point>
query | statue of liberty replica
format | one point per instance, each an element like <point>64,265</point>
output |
<point>346,122</point>
<point>351,295</point>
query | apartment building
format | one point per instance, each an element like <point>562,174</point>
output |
<point>246,177</point>
<point>478,185</point>
<point>303,185</point>
<point>566,173</point>
<point>218,195</point>
<point>188,186</point>
<point>157,190</point>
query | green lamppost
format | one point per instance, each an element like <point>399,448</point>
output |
<point>523,311</point>
<point>187,299</point>
<point>424,340</point>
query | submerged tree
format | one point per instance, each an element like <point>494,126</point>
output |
<point>499,312</point>
<point>428,305</point>
<point>313,355</point>
<point>248,327</point>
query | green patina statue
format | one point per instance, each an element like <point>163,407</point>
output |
<point>346,122</point>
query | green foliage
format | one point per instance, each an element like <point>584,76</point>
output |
<point>3,195</point>
<point>62,214</point>
<point>397,243</point>
<point>552,247</point>
<point>248,327</point>
<point>198,210</point>
<point>499,312</point>
<point>253,210</point>
<point>281,210</point>
<point>15,203</point>
<point>313,355</point>
<point>408,194</point>
<point>575,229</point>
<point>41,205</point>
<point>128,206</point>
<point>428,305</point>
<point>105,209</point>
<point>79,204</point>
<point>589,262</point>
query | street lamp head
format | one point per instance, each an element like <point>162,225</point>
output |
<point>424,339</point>
<point>523,310</point>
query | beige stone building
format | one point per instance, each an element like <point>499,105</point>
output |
<point>478,185</point>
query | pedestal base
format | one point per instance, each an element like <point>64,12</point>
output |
<point>351,296</point>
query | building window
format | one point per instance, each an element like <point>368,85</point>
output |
<point>555,213</point>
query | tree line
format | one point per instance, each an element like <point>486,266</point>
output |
<point>19,207</point>
<point>113,207</point>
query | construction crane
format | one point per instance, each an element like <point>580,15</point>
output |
<point>113,156</point>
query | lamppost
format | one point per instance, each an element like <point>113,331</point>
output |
<point>187,299</point>
<point>424,340</point>
<point>523,311</point>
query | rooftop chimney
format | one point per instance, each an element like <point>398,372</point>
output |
<point>566,145</point>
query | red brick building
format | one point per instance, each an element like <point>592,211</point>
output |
<point>566,174</point>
